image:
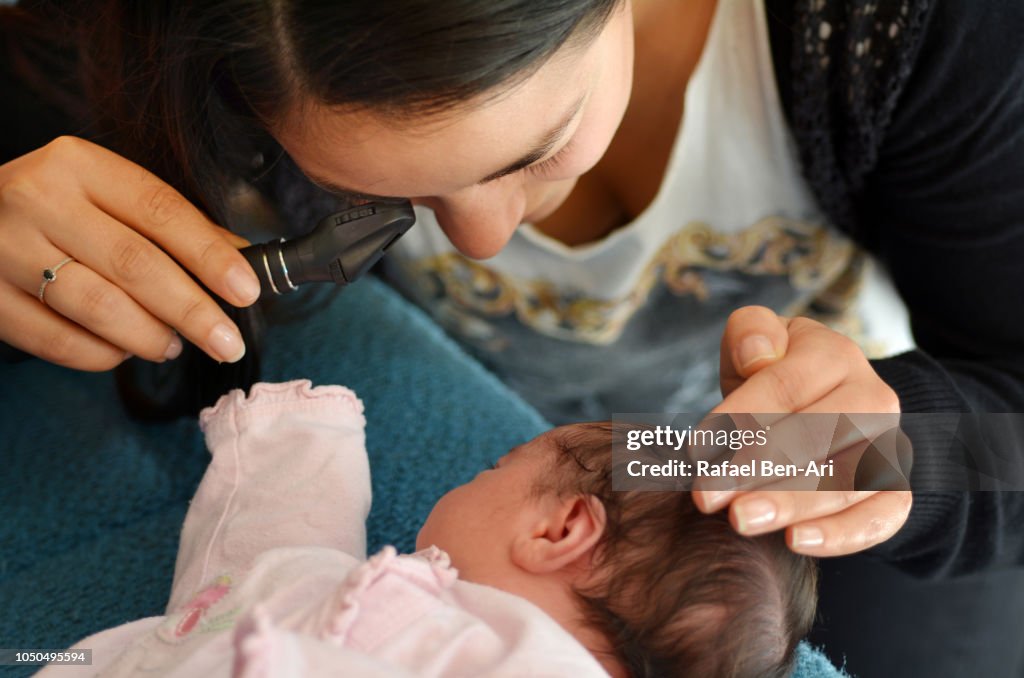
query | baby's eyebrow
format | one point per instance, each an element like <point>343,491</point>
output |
<point>505,456</point>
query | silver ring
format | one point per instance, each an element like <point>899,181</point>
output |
<point>50,275</point>
<point>266,267</point>
<point>284,266</point>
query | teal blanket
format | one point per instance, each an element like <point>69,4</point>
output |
<point>92,502</point>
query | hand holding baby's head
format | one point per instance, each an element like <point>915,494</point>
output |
<point>649,584</point>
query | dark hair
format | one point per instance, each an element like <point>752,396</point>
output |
<point>190,90</point>
<point>678,592</point>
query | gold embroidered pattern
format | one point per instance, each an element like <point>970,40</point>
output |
<point>811,256</point>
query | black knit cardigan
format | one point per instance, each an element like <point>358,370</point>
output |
<point>909,118</point>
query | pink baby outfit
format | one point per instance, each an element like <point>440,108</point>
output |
<point>272,577</point>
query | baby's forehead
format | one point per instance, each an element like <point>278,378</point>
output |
<point>571,436</point>
<point>561,443</point>
<point>542,446</point>
<point>544,450</point>
<point>554,441</point>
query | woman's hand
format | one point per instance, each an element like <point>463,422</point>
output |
<point>771,364</point>
<point>125,291</point>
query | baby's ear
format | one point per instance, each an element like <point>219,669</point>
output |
<point>565,530</point>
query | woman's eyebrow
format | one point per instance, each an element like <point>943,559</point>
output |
<point>540,149</point>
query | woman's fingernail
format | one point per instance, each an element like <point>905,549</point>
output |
<point>243,283</point>
<point>755,348</point>
<point>227,343</point>
<point>173,348</point>
<point>754,513</point>
<point>806,535</point>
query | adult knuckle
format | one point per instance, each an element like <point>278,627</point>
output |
<point>190,312</point>
<point>837,348</point>
<point>99,303</point>
<point>132,259</point>
<point>849,350</point>
<point>21,190</point>
<point>788,507</point>
<point>58,347</point>
<point>886,399</point>
<point>63,158</point>
<point>48,172</point>
<point>804,324</point>
<point>853,496</point>
<point>845,497</point>
<point>65,148</point>
<point>785,387</point>
<point>163,204</point>
<point>209,251</point>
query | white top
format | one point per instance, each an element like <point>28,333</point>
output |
<point>632,322</point>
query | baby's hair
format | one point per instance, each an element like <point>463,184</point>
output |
<point>678,592</point>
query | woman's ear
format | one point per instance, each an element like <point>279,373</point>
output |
<point>565,530</point>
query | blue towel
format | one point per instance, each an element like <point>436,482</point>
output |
<point>93,502</point>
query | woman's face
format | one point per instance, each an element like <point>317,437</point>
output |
<point>468,165</point>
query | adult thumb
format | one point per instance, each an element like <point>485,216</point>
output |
<point>754,338</point>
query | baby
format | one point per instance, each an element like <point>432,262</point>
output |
<point>534,568</point>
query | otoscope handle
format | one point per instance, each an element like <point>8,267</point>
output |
<point>340,248</point>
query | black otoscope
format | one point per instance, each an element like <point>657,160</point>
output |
<point>342,247</point>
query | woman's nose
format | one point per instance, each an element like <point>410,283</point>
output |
<point>480,220</point>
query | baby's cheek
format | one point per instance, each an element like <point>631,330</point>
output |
<point>442,521</point>
<point>421,538</point>
<point>425,538</point>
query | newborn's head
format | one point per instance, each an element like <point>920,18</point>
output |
<point>649,584</point>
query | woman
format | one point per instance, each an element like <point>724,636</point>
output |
<point>491,114</point>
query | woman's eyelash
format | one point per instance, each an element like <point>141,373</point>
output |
<point>554,160</point>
